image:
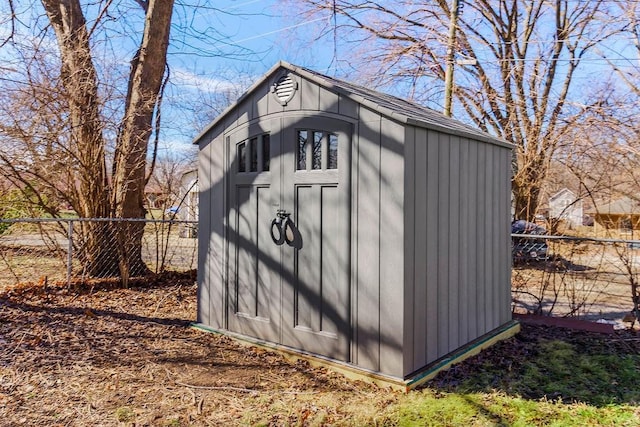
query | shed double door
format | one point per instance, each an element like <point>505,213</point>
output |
<point>296,293</point>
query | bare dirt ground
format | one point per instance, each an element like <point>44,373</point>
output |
<point>99,356</point>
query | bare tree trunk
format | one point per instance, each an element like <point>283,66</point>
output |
<point>129,169</point>
<point>108,254</point>
<point>81,85</point>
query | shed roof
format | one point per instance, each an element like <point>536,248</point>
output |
<point>390,106</point>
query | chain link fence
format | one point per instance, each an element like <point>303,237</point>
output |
<point>552,275</point>
<point>589,278</point>
<point>64,250</point>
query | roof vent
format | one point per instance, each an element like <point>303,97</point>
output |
<point>284,88</point>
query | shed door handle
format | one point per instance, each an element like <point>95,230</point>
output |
<point>283,227</point>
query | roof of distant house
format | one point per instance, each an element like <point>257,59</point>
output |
<point>622,206</point>
<point>561,193</point>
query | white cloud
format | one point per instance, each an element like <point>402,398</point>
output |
<point>203,83</point>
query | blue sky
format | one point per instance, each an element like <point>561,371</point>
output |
<point>259,35</point>
<point>220,40</point>
<point>244,37</point>
<point>210,46</point>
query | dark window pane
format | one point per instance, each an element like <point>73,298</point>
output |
<point>242,157</point>
<point>332,161</point>
<point>265,152</point>
<point>253,150</point>
<point>317,150</point>
<point>302,150</point>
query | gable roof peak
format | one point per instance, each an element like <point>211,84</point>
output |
<point>390,106</point>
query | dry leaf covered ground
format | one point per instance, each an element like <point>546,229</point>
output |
<point>100,356</point>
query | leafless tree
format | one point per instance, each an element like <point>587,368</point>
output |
<point>516,63</point>
<point>209,102</point>
<point>628,148</point>
<point>80,131</point>
<point>70,135</point>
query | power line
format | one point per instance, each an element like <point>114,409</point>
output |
<point>259,36</point>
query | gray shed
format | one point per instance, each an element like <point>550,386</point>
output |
<point>353,226</point>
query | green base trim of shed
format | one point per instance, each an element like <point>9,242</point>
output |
<point>471,349</point>
<point>356,373</point>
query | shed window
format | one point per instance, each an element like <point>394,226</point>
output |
<point>242,157</point>
<point>254,155</point>
<point>317,150</point>
<point>266,153</point>
<point>332,160</point>
<point>253,149</point>
<point>302,150</point>
<point>320,147</point>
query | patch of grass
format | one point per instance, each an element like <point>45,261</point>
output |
<point>124,414</point>
<point>560,370</point>
<point>173,422</point>
<point>544,376</point>
<point>430,408</point>
<point>593,372</point>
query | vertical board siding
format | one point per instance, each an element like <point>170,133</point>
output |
<point>273,106</point>
<point>349,108</point>
<point>454,259</point>
<point>309,95</point>
<point>481,290</point>
<point>205,281</point>
<point>460,261</point>
<point>329,101</point>
<point>496,240</point>
<point>465,235</point>
<point>245,109</point>
<point>353,250</point>
<point>368,241</point>
<point>505,238</point>
<point>391,247</point>
<point>433,251</point>
<point>410,289</point>
<point>417,236</point>
<point>429,254</point>
<point>443,198</point>
<point>490,239</point>
<point>332,262</point>
<point>261,100</point>
<point>244,260</point>
<point>264,274</point>
<point>308,286</point>
<point>231,119</point>
<point>217,231</point>
<point>472,218</point>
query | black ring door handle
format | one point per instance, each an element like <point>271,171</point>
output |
<point>284,230</point>
<point>281,223</point>
<point>277,222</point>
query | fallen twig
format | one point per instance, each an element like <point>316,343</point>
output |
<point>244,390</point>
<point>203,387</point>
<point>19,342</point>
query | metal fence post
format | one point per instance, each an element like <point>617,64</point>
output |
<point>69,252</point>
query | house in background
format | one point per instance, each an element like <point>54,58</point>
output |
<point>188,199</point>
<point>155,196</point>
<point>621,214</point>
<point>565,206</point>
